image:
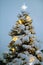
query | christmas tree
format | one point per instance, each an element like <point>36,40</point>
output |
<point>23,48</point>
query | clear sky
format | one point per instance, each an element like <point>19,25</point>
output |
<point>9,9</point>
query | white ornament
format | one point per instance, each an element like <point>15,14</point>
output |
<point>24,7</point>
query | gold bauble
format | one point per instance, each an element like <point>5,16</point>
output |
<point>14,38</point>
<point>21,21</point>
<point>13,49</point>
<point>32,59</point>
<point>28,18</point>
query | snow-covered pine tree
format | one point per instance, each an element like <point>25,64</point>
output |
<point>23,48</point>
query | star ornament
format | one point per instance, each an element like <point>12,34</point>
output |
<point>24,7</point>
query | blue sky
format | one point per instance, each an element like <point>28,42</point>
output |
<point>9,9</point>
